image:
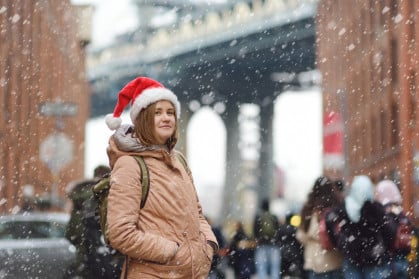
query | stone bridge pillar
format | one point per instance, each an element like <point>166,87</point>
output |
<point>230,203</point>
<point>266,164</point>
<point>185,116</point>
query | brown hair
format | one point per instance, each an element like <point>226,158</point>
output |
<point>322,196</point>
<point>147,136</point>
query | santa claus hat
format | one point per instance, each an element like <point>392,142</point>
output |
<point>140,93</point>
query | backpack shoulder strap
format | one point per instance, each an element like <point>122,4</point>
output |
<point>182,159</point>
<point>145,176</point>
<point>145,179</point>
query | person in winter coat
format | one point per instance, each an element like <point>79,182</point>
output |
<point>360,229</point>
<point>268,251</point>
<point>99,258</point>
<point>388,194</point>
<point>242,253</point>
<point>78,192</point>
<point>292,251</point>
<point>169,237</point>
<point>320,263</point>
<point>83,231</point>
<point>216,271</point>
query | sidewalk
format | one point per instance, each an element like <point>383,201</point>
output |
<point>230,275</point>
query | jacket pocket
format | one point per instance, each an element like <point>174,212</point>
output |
<point>182,256</point>
<point>206,248</point>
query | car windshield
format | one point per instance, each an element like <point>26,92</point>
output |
<point>31,229</point>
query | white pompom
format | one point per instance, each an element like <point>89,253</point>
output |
<point>113,122</point>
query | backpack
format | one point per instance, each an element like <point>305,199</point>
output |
<point>404,234</point>
<point>324,237</point>
<point>101,191</point>
<point>102,260</point>
<point>268,226</point>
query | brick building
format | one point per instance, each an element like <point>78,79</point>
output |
<point>44,101</point>
<point>367,54</point>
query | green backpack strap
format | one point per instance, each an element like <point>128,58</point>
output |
<point>184,163</point>
<point>145,179</point>
<point>145,176</point>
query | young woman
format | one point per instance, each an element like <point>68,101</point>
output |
<point>319,262</point>
<point>241,253</point>
<point>169,237</point>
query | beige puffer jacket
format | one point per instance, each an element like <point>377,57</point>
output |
<point>316,258</point>
<point>168,237</point>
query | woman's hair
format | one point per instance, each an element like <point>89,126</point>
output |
<point>144,128</point>
<point>322,196</point>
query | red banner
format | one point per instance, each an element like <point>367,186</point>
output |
<point>333,134</point>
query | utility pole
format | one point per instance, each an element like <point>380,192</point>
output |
<point>56,150</point>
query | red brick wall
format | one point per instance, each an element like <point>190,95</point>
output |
<point>41,61</point>
<point>367,53</point>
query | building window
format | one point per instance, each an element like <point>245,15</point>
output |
<point>375,136</point>
<point>412,89</point>
<point>383,130</point>
<point>394,63</point>
<point>394,8</point>
<point>394,125</point>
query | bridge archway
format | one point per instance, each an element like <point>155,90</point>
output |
<point>206,152</point>
<point>227,162</point>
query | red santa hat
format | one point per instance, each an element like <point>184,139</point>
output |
<point>140,93</point>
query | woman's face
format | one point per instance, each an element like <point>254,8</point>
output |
<point>164,121</point>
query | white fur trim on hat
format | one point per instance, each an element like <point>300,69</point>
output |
<point>113,122</point>
<point>152,95</point>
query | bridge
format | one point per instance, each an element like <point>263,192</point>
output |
<point>247,54</point>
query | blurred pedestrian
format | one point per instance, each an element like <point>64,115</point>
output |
<point>319,262</point>
<point>241,253</point>
<point>341,188</point>
<point>216,271</point>
<point>360,229</point>
<point>388,194</point>
<point>78,192</point>
<point>100,259</point>
<point>93,259</point>
<point>268,253</point>
<point>169,237</point>
<point>291,249</point>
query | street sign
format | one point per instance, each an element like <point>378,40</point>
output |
<point>56,151</point>
<point>58,109</point>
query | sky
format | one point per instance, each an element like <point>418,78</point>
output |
<point>110,18</point>
<point>297,127</point>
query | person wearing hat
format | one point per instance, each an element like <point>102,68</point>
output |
<point>169,237</point>
<point>361,230</point>
<point>388,194</point>
<point>319,263</point>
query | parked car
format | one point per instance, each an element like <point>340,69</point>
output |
<point>32,245</point>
